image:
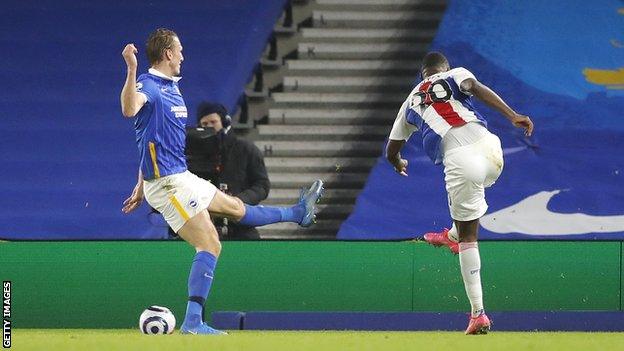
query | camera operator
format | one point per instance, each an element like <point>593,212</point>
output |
<point>236,167</point>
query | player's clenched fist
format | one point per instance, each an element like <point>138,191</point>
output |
<point>522,121</point>
<point>400,166</point>
<point>129,55</point>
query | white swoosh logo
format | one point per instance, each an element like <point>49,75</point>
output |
<point>531,216</point>
<point>513,150</point>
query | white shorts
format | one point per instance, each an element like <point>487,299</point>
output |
<point>468,171</point>
<point>179,197</point>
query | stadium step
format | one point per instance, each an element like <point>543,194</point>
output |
<point>320,148</point>
<point>321,229</point>
<point>332,180</point>
<point>329,211</point>
<point>321,132</point>
<point>307,116</point>
<point>347,84</point>
<point>379,5</point>
<point>357,35</point>
<point>291,196</point>
<point>365,51</point>
<point>375,19</point>
<point>339,100</point>
<point>352,67</point>
<point>319,164</point>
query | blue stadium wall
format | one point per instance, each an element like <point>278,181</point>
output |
<point>560,63</point>
<point>68,156</point>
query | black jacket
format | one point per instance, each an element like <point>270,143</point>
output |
<point>243,170</point>
<point>239,164</point>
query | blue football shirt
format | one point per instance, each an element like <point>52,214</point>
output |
<point>160,126</point>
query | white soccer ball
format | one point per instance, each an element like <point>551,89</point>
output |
<point>157,320</point>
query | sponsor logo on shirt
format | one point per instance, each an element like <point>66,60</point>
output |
<point>179,111</point>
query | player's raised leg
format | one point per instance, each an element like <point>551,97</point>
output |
<point>470,263</point>
<point>199,232</point>
<point>303,213</point>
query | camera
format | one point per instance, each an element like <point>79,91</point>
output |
<point>203,153</point>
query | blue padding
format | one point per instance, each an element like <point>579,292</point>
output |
<point>228,320</point>
<point>559,321</point>
<point>342,321</point>
<point>408,321</point>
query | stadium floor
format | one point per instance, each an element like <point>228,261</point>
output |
<point>129,339</point>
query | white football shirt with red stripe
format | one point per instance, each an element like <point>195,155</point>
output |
<point>436,105</point>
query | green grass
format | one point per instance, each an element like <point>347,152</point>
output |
<point>126,339</point>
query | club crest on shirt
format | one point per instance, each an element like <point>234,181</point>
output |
<point>193,203</point>
<point>139,86</point>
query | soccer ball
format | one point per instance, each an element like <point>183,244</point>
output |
<point>157,320</point>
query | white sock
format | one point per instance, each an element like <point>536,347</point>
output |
<point>452,233</point>
<point>470,264</point>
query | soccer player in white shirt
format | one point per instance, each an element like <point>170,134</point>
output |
<point>456,135</point>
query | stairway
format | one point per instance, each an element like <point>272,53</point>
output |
<point>354,67</point>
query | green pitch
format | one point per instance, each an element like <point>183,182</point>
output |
<point>125,339</point>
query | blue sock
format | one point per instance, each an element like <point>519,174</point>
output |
<point>199,282</point>
<point>256,216</point>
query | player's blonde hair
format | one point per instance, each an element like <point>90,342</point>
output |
<point>160,40</point>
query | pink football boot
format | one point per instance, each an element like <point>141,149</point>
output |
<point>478,325</point>
<point>442,239</point>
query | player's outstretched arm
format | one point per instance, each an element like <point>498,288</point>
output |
<point>131,100</point>
<point>393,154</point>
<point>485,94</point>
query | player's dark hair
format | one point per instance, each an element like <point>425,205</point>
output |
<point>160,40</point>
<point>433,59</point>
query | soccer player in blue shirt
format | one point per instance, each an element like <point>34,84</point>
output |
<point>185,200</point>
